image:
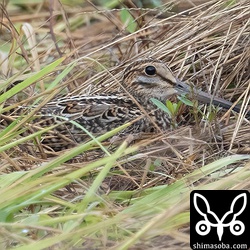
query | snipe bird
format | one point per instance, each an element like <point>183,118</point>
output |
<point>142,80</point>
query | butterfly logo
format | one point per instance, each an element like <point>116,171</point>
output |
<point>203,227</point>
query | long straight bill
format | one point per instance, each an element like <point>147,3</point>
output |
<point>183,88</point>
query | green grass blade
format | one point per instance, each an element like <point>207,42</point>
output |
<point>24,84</point>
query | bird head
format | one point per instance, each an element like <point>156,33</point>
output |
<point>151,78</point>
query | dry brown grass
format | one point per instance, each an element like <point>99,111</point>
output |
<point>208,45</point>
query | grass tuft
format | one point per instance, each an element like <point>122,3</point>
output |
<point>113,191</point>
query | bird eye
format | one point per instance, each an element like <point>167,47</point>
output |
<point>150,70</point>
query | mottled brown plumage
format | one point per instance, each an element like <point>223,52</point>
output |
<point>101,113</point>
<point>142,80</point>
